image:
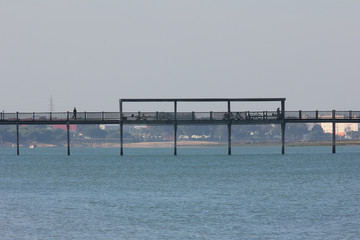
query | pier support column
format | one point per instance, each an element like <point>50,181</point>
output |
<point>121,128</point>
<point>283,138</point>
<point>17,139</point>
<point>68,138</point>
<point>175,139</point>
<point>229,139</point>
<point>121,138</point>
<point>229,126</point>
<point>333,138</point>
<point>175,127</point>
<point>283,126</point>
<point>333,133</point>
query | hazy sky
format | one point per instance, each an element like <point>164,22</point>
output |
<point>90,53</point>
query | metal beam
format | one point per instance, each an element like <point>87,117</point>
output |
<point>202,99</point>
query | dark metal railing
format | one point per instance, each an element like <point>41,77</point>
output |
<point>180,116</point>
<point>322,115</point>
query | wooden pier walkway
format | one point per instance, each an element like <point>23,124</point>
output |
<point>175,118</point>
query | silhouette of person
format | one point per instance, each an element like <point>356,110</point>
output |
<point>278,112</point>
<point>74,113</point>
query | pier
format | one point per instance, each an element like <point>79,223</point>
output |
<point>228,117</point>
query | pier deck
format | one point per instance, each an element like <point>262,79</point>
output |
<point>175,118</point>
<point>160,118</point>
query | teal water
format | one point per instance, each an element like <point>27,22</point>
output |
<point>256,193</point>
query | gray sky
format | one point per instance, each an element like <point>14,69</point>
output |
<point>90,53</point>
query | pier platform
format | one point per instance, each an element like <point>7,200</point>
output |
<point>175,118</point>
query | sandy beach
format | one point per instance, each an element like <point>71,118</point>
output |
<point>162,144</point>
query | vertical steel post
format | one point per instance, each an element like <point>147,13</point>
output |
<point>17,134</point>
<point>68,137</point>
<point>228,108</point>
<point>333,133</point>
<point>121,127</point>
<point>17,139</point>
<point>175,127</point>
<point>229,128</point>
<point>283,127</point>
<point>283,137</point>
<point>229,139</point>
<point>121,138</point>
<point>283,109</point>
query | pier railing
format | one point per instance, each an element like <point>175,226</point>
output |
<point>322,115</point>
<point>180,116</point>
<point>58,116</point>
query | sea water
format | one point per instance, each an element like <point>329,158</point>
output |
<point>256,193</point>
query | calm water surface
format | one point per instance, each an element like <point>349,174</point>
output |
<point>256,193</point>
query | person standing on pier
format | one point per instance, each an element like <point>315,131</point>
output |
<point>278,112</point>
<point>74,113</point>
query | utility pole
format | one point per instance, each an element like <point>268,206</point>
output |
<point>51,104</point>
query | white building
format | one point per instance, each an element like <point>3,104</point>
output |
<point>340,128</point>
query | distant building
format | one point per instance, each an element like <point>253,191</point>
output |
<point>140,126</point>
<point>109,127</point>
<point>72,127</point>
<point>340,128</point>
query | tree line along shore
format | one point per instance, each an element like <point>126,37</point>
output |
<point>143,136</point>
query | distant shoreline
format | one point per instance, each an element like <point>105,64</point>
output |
<point>187,144</point>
